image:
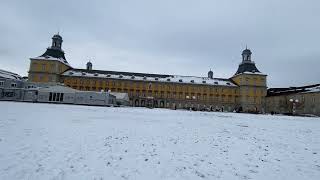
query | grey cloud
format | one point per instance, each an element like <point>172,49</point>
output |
<point>175,37</point>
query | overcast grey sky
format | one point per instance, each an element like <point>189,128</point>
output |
<point>169,36</point>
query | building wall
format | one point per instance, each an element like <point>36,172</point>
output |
<point>11,83</point>
<point>46,70</point>
<point>309,103</point>
<point>252,91</point>
<point>92,98</point>
<point>56,97</point>
<point>30,95</point>
<point>165,94</point>
<point>312,103</point>
<point>11,94</point>
<point>84,98</point>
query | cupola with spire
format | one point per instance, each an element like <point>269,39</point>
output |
<point>55,51</point>
<point>56,41</point>
<point>210,74</point>
<point>89,65</point>
<point>247,65</point>
<point>246,55</point>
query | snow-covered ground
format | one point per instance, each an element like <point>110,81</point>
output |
<point>47,141</point>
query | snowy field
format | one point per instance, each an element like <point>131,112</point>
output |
<point>46,141</point>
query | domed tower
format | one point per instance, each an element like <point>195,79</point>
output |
<point>56,42</point>
<point>252,85</point>
<point>246,55</point>
<point>89,65</point>
<point>50,65</point>
<point>210,74</point>
<point>247,65</point>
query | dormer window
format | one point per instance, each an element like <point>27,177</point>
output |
<point>228,84</point>
<point>108,75</point>
<point>168,79</point>
<point>95,74</point>
<point>204,82</point>
<point>180,80</point>
<point>121,76</point>
<point>132,77</point>
<point>156,79</point>
<point>13,85</point>
<point>192,81</point>
<point>70,73</point>
<point>144,78</point>
<point>216,83</point>
<point>83,73</point>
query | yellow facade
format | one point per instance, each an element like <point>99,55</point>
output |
<point>44,71</point>
<point>252,90</point>
<point>246,90</point>
<point>170,94</point>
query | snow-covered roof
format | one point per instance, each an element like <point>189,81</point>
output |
<point>313,89</point>
<point>50,58</point>
<point>57,88</point>
<point>9,75</point>
<point>252,73</point>
<point>149,77</point>
<point>294,90</point>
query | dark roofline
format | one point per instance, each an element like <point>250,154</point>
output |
<point>123,73</point>
<point>294,88</point>
<point>138,74</point>
<point>289,90</point>
<point>56,53</point>
<point>247,67</point>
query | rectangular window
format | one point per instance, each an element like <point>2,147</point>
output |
<point>1,83</point>
<point>43,67</point>
<point>52,67</point>
<point>54,97</point>
<point>34,65</point>
<point>61,97</point>
<point>57,97</point>
<point>50,97</point>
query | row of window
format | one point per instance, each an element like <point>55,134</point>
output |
<point>13,85</point>
<point>253,90</point>
<point>45,67</point>
<point>131,91</point>
<point>151,86</point>
<point>174,95</point>
<point>253,81</point>
<point>57,97</point>
<point>41,78</point>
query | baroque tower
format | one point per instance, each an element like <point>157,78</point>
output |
<point>252,83</point>
<point>48,67</point>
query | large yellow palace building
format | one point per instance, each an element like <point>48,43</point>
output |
<point>244,91</point>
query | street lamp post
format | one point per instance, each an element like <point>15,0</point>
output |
<point>294,103</point>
